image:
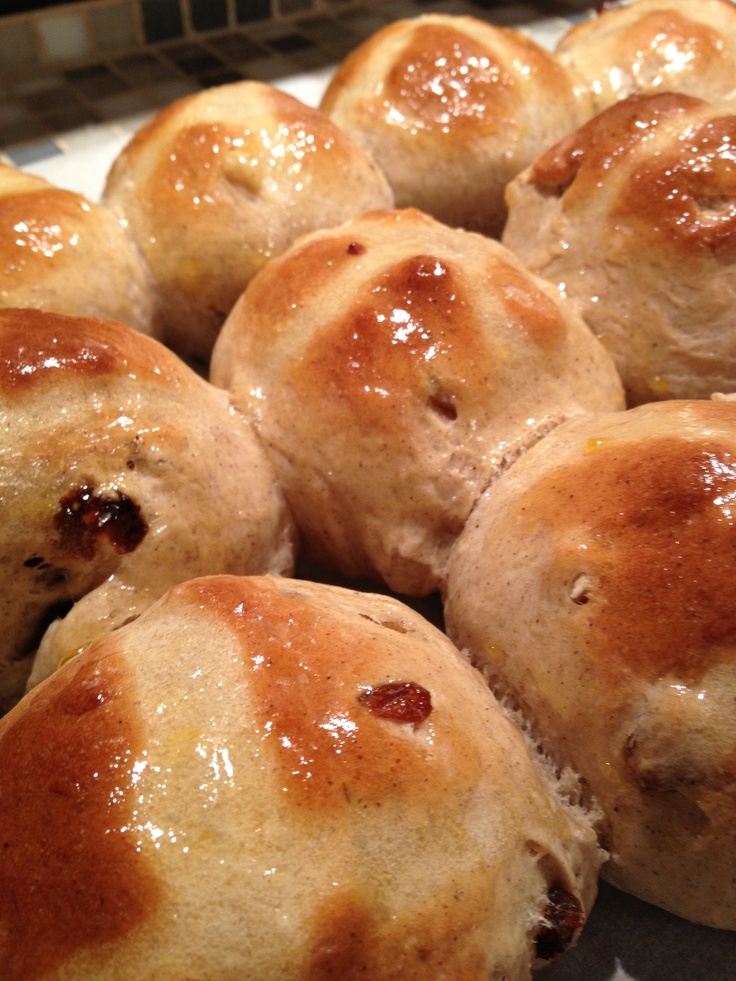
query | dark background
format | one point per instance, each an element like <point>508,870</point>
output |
<point>25,6</point>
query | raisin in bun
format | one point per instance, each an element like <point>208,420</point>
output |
<point>452,108</point>
<point>218,183</point>
<point>269,778</point>
<point>652,46</point>
<point>392,366</point>
<point>592,585</point>
<point>64,253</point>
<point>633,217</point>
<point>122,472</point>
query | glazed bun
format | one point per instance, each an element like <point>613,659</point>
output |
<point>633,218</point>
<point>592,587</point>
<point>218,183</point>
<point>274,779</point>
<point>121,473</point>
<point>63,253</point>
<point>649,46</point>
<point>392,367</point>
<point>452,108</point>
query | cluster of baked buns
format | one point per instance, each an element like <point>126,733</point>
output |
<point>369,495</point>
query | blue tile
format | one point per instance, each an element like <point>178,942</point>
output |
<point>24,155</point>
<point>248,10</point>
<point>161,20</point>
<point>208,15</point>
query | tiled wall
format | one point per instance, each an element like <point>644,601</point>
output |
<point>71,32</point>
<point>64,70</point>
<point>77,31</point>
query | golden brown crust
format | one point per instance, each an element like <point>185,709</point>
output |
<point>392,367</point>
<point>633,217</point>
<point>655,621</point>
<point>686,46</point>
<point>287,780</point>
<point>423,83</point>
<point>577,164</point>
<point>71,878</point>
<point>39,349</point>
<point>590,585</point>
<point>452,108</point>
<point>121,472</point>
<point>218,183</point>
<point>61,252</point>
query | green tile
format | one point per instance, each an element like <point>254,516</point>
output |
<point>114,28</point>
<point>17,46</point>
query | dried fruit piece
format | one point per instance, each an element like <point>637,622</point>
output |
<point>563,916</point>
<point>399,701</point>
<point>83,517</point>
